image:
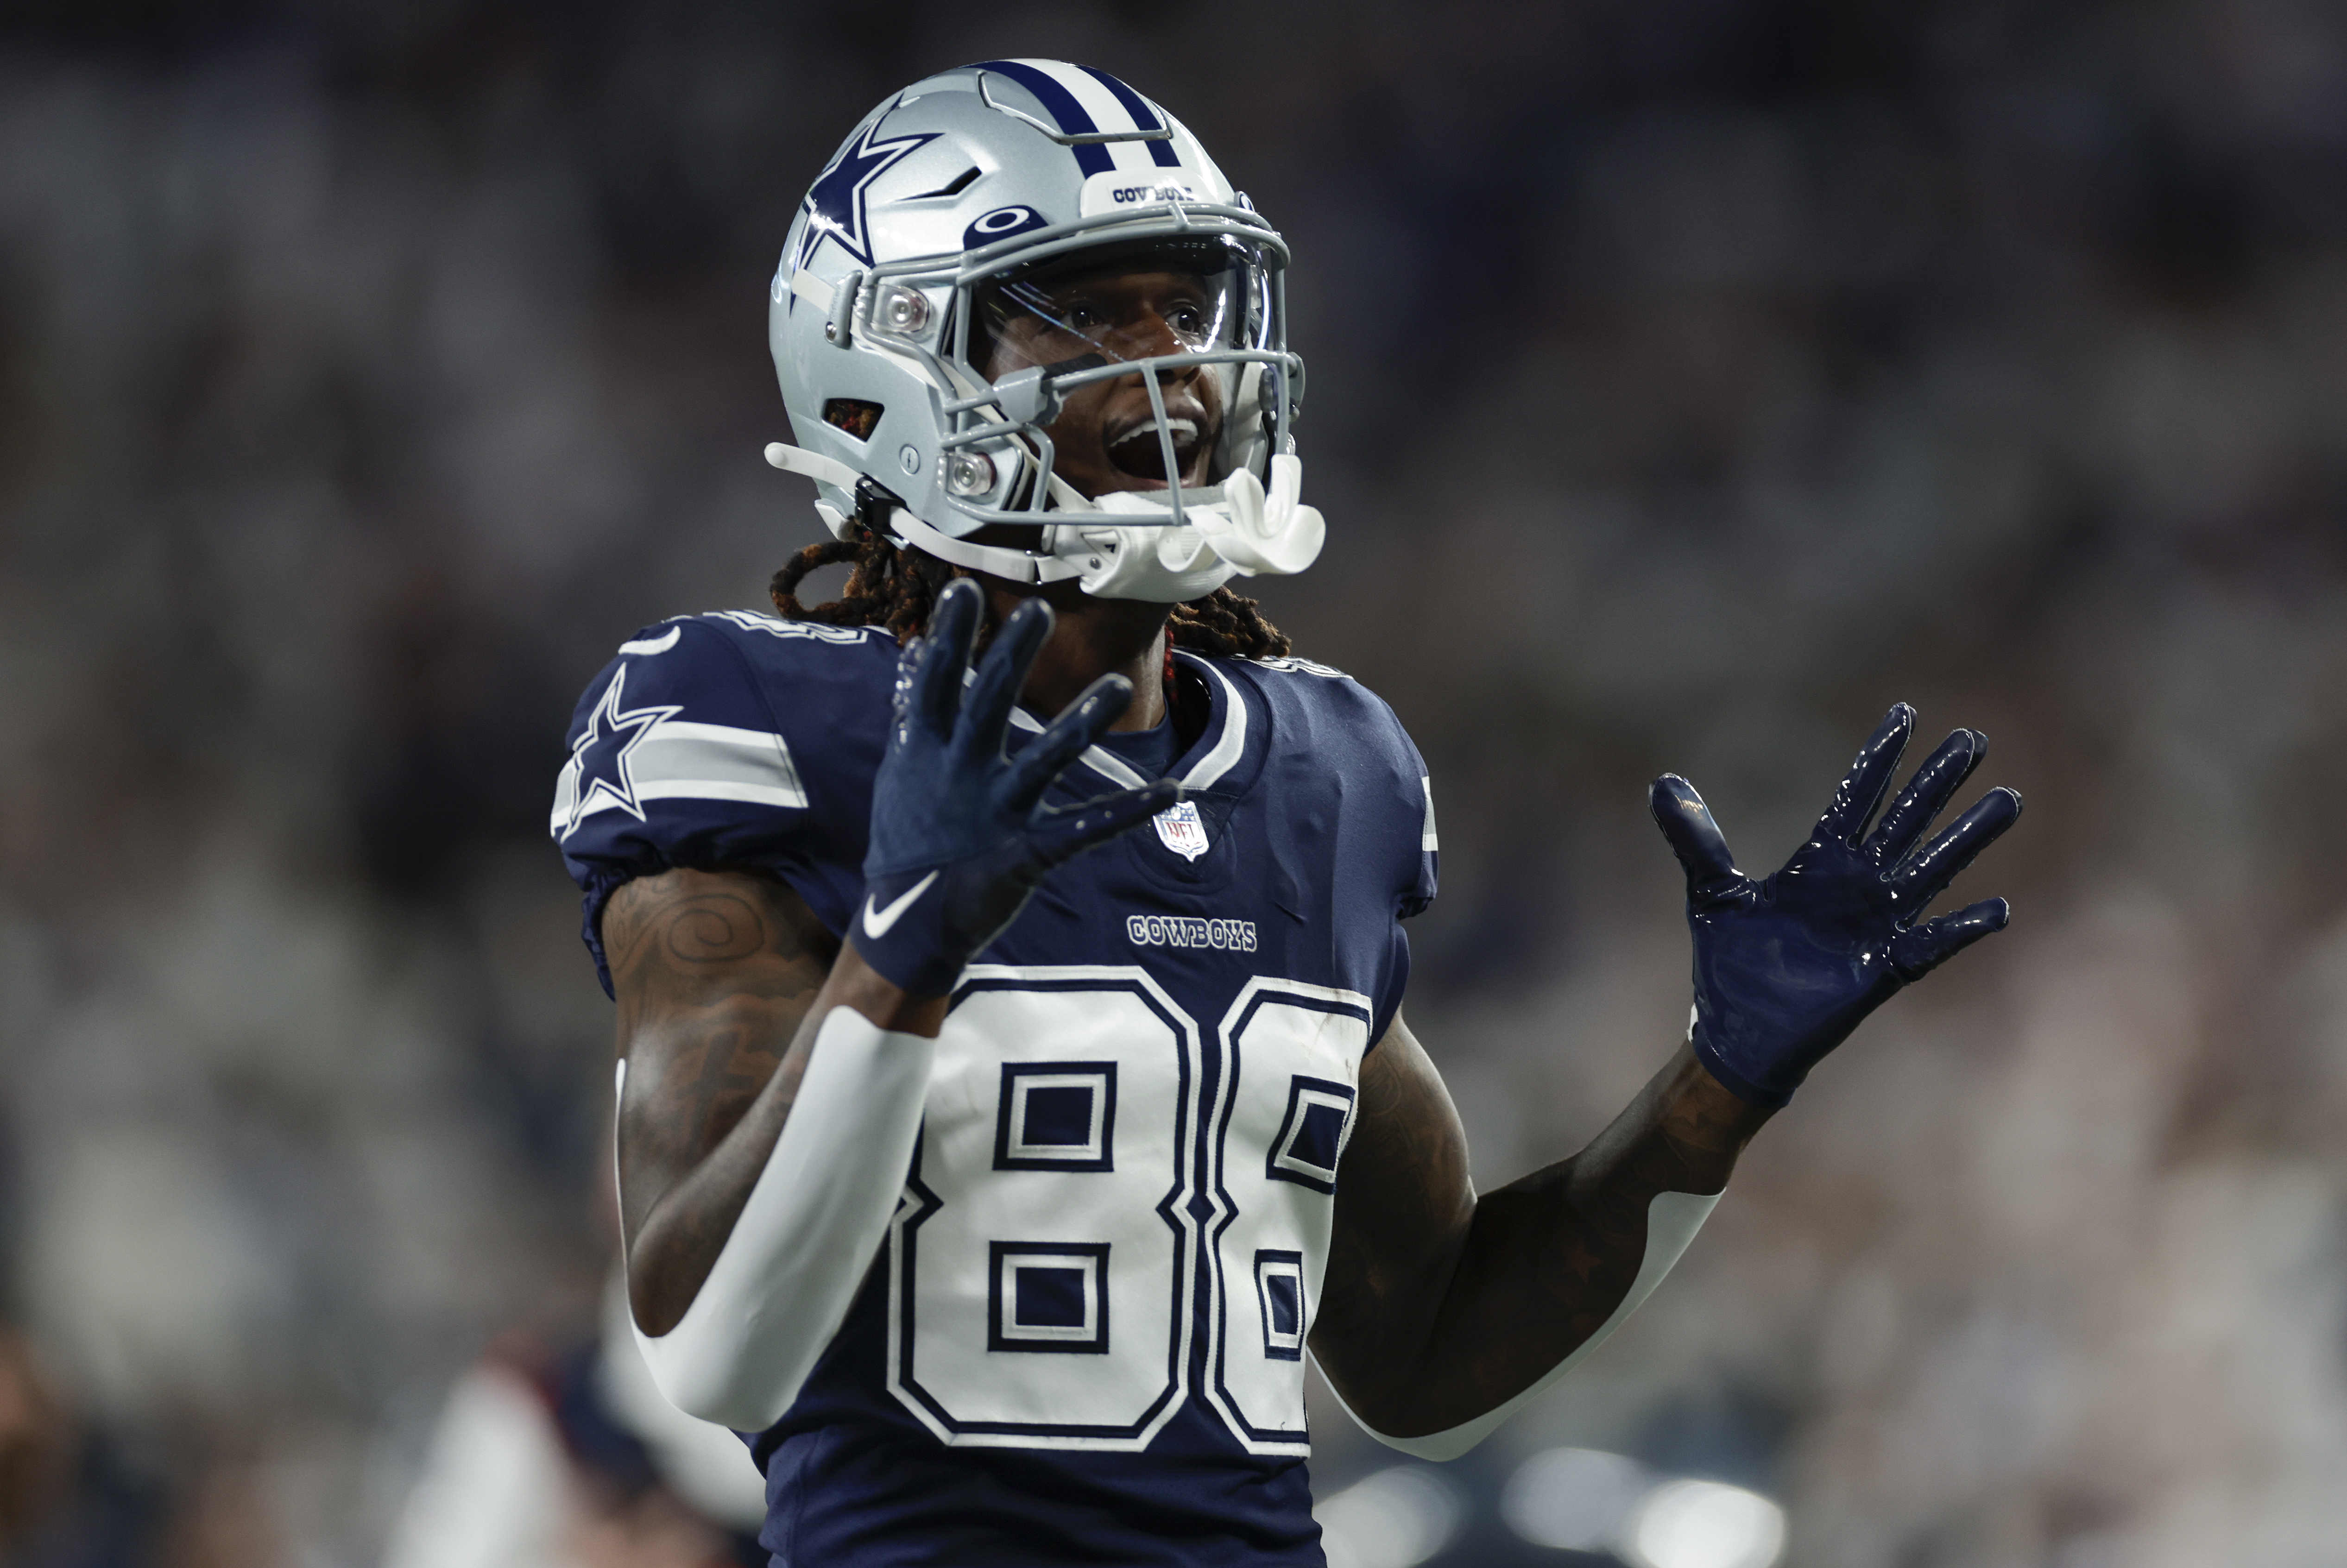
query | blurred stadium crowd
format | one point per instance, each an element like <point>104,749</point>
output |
<point>1690,380</point>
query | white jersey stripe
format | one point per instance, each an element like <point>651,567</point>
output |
<point>723,789</point>
<point>1233,744</point>
<point>699,789</point>
<point>1106,763</point>
<point>679,760</point>
<point>1224,755</point>
<point>566,797</point>
<point>675,750</point>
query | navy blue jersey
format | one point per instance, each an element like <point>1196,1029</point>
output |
<point>1082,1338</point>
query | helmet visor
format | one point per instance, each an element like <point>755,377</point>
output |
<point>1182,313</point>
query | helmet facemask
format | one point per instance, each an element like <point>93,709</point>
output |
<point>1135,353</point>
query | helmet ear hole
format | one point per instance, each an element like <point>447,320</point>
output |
<point>855,415</point>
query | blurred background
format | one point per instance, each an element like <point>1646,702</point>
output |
<point>1690,380</point>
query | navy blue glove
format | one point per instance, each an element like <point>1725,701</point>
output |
<point>959,837</point>
<point>1787,966</point>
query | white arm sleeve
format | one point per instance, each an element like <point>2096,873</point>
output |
<point>782,1283</point>
<point>1672,1220</point>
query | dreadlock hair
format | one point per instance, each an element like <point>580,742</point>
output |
<point>894,587</point>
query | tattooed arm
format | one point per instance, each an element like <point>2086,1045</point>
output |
<point>724,979</point>
<point>1440,1305</point>
<point>745,1225</point>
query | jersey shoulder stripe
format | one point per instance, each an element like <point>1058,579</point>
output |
<point>651,731</point>
<point>729,740</point>
<point>676,759</point>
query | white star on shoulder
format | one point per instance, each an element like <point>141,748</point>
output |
<point>604,751</point>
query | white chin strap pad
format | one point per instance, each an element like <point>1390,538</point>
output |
<point>1246,532</point>
<point>1156,562</point>
<point>783,1283</point>
<point>1672,1220</point>
<point>1125,544</point>
<point>1271,535</point>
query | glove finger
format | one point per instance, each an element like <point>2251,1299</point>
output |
<point>1926,795</point>
<point>1001,673</point>
<point>1917,953</point>
<point>1064,832</point>
<point>1862,789</point>
<point>1925,875</point>
<point>1694,837</point>
<point>1085,719</point>
<point>944,658</point>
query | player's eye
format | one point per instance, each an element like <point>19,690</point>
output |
<point>1080,317</point>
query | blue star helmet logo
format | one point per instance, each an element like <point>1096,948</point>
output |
<point>606,750</point>
<point>835,207</point>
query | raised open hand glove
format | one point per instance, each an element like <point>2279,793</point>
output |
<point>961,838</point>
<point>1785,968</point>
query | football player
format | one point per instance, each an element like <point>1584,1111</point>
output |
<point>1009,954</point>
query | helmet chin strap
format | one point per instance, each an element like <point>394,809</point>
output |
<point>1271,536</point>
<point>1247,533</point>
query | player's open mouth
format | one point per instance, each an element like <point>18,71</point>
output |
<point>1138,452</point>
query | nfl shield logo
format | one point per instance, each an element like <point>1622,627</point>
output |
<point>1179,829</point>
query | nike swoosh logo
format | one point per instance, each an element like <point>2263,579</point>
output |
<point>876,921</point>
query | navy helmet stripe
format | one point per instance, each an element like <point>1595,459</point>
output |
<point>1143,116</point>
<point>1090,157</point>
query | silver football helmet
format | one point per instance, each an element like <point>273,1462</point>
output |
<point>994,243</point>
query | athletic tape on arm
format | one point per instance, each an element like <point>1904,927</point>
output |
<point>783,1283</point>
<point>1672,1220</point>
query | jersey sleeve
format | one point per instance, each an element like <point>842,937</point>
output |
<point>679,758</point>
<point>1418,886</point>
<point>1337,739</point>
<point>1415,859</point>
